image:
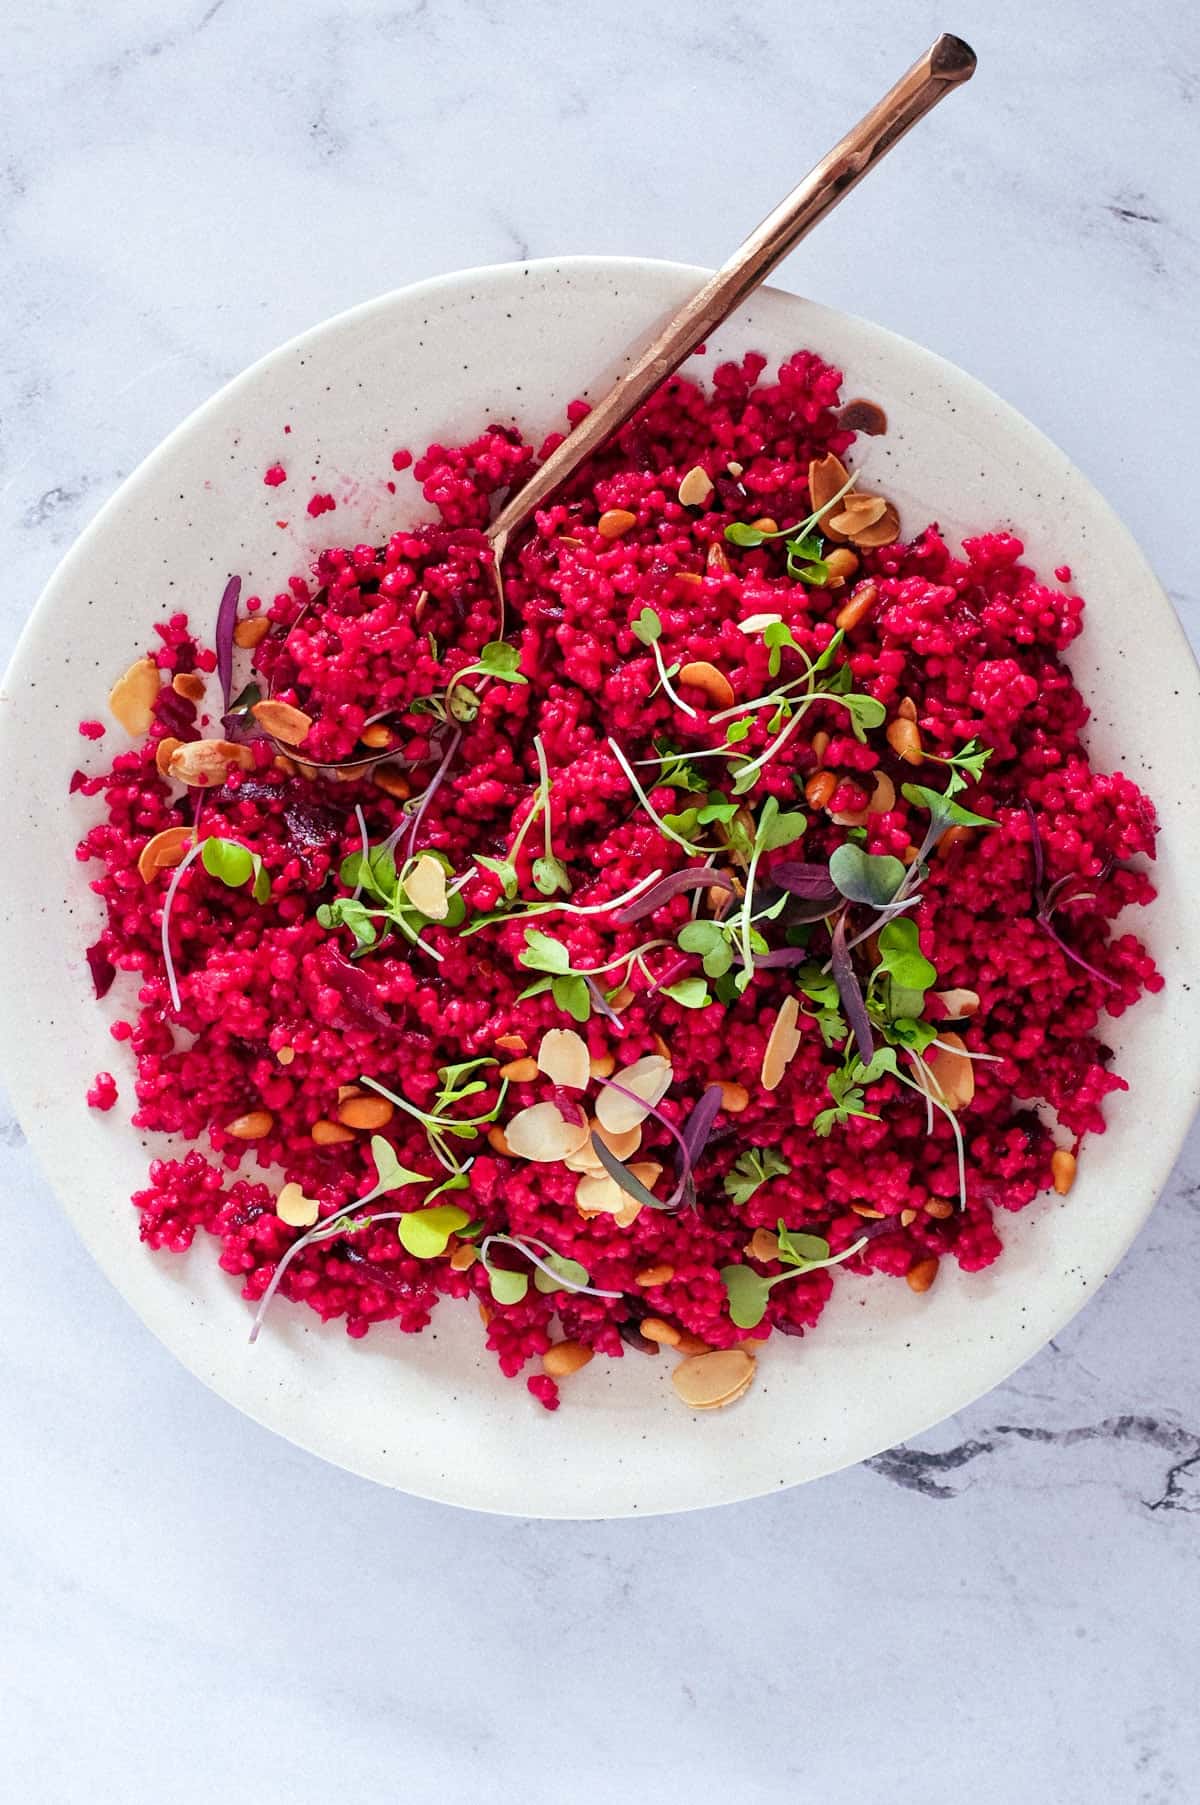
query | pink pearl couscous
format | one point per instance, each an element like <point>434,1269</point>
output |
<point>630,615</point>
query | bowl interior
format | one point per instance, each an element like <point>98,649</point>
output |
<point>430,1413</point>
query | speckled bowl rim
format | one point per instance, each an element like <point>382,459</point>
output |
<point>621,1445</point>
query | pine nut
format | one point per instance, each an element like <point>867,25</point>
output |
<point>922,1273</point>
<point>689,1344</point>
<point>765,524</point>
<point>188,685</point>
<point>856,610</point>
<point>654,1275</point>
<point>841,564</point>
<point>375,736</point>
<point>330,1134</point>
<point>819,788</point>
<point>496,1140</point>
<point>366,1112</point>
<point>603,1065</point>
<point>520,1071</point>
<point>954,837</point>
<point>940,1208</point>
<point>464,1257</point>
<point>615,522</point>
<point>734,1098</point>
<point>763,1245</point>
<point>1062,1165</point>
<point>906,708</point>
<point>904,737</point>
<point>392,781</point>
<point>251,1127</point>
<point>716,561</point>
<point>282,721</point>
<point>251,632</point>
<point>868,1215</point>
<point>285,1055</point>
<point>883,797</point>
<point>907,1218</point>
<point>163,753</point>
<point>132,696</point>
<point>564,1358</point>
<point>655,1329</point>
<point>819,744</point>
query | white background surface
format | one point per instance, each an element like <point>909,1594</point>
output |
<point>191,1608</point>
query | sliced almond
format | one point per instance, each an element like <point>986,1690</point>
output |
<point>162,754</point>
<point>282,721</point>
<point>425,887</point>
<point>826,475</point>
<point>883,794</point>
<point>131,698</point>
<point>563,1057</point>
<point>596,1194</point>
<point>649,1079</point>
<point>464,1257</point>
<point>710,1381</point>
<point>763,1245</point>
<point>696,487</point>
<point>716,560</point>
<point>706,677</point>
<point>857,513</point>
<point>883,531</point>
<point>294,1208</point>
<point>163,851</point>
<point>958,1004</point>
<point>202,763</point>
<point>392,781</point>
<point>756,623</point>
<point>512,1043</point>
<point>782,1044</point>
<point>952,1072</point>
<point>189,685</point>
<point>622,1146</point>
<point>541,1134</point>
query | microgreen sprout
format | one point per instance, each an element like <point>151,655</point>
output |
<point>552,1271</point>
<point>498,660</point>
<point>749,1291</point>
<point>668,833</point>
<point>805,547</point>
<point>568,985</point>
<point>234,864</point>
<point>751,1170</point>
<point>373,873</point>
<point>647,629</point>
<point>845,1087</point>
<point>456,1083</point>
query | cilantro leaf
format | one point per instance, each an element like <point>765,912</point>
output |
<point>753,1169</point>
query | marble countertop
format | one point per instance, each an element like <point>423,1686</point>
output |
<point>1007,1607</point>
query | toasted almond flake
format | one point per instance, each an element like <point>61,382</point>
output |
<point>958,1004</point>
<point>883,795</point>
<point>294,1208</point>
<point>366,1113</point>
<point>540,1134</point>
<point>628,1213</point>
<point>464,1257</point>
<point>857,415</point>
<point>425,887</point>
<point>763,1245</point>
<point>512,1043</point>
<point>163,851</point>
<point>252,1126</point>
<point>782,1044</point>
<point>734,468</point>
<point>203,763</point>
<point>330,1134</point>
<point>868,1215</point>
<point>564,1358</point>
<point>906,708</point>
<point>519,1071</point>
<point>285,1055</point>
<point>922,1273</point>
<point>596,1194</point>
<point>696,487</point>
<point>375,736</point>
<point>282,721</point>
<point>857,513</point>
<point>162,754</point>
<point>1062,1167</point>
<point>614,522</point>
<point>856,817</point>
<point>661,1274</point>
<point>756,623</point>
<point>734,1098</point>
<point>907,1218</point>
<point>621,998</point>
<point>392,781</point>
<point>251,632</point>
<point>707,678</point>
<point>691,577</point>
<point>710,1381</point>
<point>952,1071</point>
<point>649,1079</point>
<point>826,475</point>
<point>883,531</point>
<point>131,697</point>
<point>283,763</point>
<point>648,1171</point>
<point>622,1146</point>
<point>563,1057</point>
<point>716,561</point>
<point>189,685</point>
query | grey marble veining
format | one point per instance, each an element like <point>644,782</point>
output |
<point>1007,1608</point>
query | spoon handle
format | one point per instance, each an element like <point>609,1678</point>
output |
<point>944,66</point>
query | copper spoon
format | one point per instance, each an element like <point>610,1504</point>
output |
<point>945,65</point>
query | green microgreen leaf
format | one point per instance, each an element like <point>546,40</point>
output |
<point>740,532</point>
<point>647,627</point>
<point>864,711</point>
<point>943,812</point>
<point>425,1233</point>
<point>572,996</point>
<point>775,638</point>
<point>390,1175</point>
<point>567,1269</point>
<point>865,877</point>
<point>543,953</point>
<point>507,1287</point>
<point>901,957</point>
<point>752,1169</point>
<point>748,1294</point>
<point>689,993</point>
<point>550,875</point>
<point>499,659</point>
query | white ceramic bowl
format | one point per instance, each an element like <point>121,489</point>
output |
<point>431,1413</point>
